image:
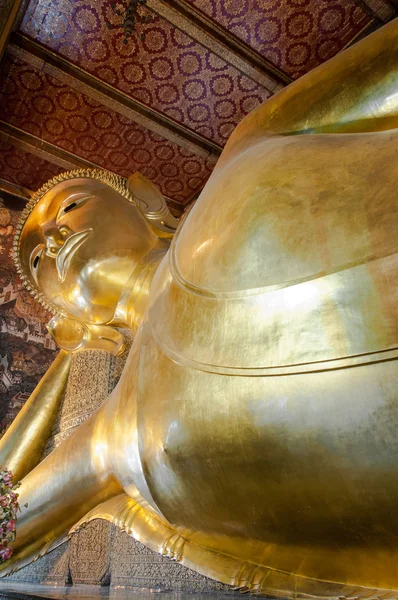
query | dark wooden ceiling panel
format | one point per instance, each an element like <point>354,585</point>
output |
<point>48,109</point>
<point>295,35</point>
<point>168,70</point>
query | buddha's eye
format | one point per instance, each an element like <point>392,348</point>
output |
<point>35,261</point>
<point>72,204</point>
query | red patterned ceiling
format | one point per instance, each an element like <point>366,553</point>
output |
<point>50,110</point>
<point>23,168</point>
<point>202,66</point>
<point>295,35</point>
<point>167,71</point>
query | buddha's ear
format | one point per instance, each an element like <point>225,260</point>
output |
<point>152,203</point>
<point>73,335</point>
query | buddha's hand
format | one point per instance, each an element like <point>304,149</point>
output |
<point>73,335</point>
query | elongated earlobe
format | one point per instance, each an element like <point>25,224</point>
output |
<point>151,203</point>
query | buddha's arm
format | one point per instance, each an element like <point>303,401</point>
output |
<point>356,91</point>
<point>71,481</point>
<point>95,463</point>
<point>22,445</point>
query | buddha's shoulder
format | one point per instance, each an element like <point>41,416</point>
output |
<point>288,209</point>
<point>289,257</point>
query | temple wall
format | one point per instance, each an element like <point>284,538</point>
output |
<point>26,348</point>
<point>91,379</point>
<point>101,554</point>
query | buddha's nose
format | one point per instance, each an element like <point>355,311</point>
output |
<point>55,239</point>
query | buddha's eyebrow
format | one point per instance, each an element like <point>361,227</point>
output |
<point>71,202</point>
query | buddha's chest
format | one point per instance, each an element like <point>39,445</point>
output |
<point>224,451</point>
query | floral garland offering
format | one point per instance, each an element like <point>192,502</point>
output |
<point>9,507</point>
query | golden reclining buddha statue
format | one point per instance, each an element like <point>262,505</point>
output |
<point>253,432</point>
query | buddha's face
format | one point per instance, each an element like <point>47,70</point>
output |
<point>79,246</point>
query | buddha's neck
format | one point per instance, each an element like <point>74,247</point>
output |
<point>134,299</point>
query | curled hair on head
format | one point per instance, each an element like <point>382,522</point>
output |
<point>114,181</point>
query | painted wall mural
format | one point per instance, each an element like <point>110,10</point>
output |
<point>26,348</point>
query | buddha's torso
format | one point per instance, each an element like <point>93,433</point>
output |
<point>265,372</point>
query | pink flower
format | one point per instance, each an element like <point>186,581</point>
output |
<point>5,501</point>
<point>11,525</point>
<point>9,506</point>
<point>5,554</point>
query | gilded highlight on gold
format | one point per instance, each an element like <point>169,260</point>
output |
<point>253,433</point>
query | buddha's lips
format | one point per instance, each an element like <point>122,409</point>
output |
<point>65,254</point>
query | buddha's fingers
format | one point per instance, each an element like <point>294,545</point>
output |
<point>71,481</point>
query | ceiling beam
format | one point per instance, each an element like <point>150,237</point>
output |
<point>15,190</point>
<point>26,194</point>
<point>45,150</point>
<point>51,153</point>
<point>381,10</point>
<point>55,65</point>
<point>7,22</point>
<point>220,41</point>
<point>371,27</point>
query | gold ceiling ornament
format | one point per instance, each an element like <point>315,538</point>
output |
<point>116,182</point>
